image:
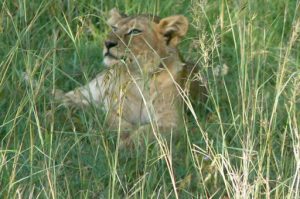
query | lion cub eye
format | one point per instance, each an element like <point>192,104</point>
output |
<point>134,32</point>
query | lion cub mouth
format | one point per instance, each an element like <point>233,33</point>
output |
<point>111,59</point>
<point>111,56</point>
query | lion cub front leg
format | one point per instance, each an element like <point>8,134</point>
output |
<point>91,93</point>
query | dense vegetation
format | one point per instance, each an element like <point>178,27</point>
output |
<point>243,143</point>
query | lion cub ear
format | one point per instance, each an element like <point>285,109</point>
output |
<point>114,16</point>
<point>173,28</point>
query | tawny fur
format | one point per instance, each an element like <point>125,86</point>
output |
<point>145,78</point>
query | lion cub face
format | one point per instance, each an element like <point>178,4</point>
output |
<point>142,42</point>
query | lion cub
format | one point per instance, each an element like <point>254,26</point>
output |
<point>145,81</point>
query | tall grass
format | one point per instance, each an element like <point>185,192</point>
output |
<point>243,143</point>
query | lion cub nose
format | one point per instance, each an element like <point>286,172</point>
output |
<point>109,44</point>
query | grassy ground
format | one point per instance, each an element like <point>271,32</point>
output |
<point>245,144</point>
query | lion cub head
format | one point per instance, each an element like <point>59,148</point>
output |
<point>143,41</point>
